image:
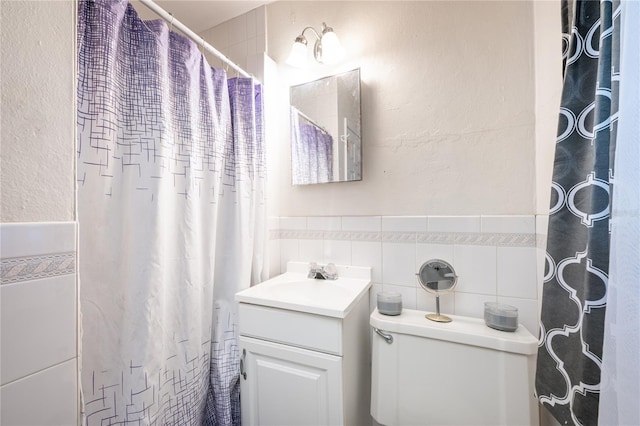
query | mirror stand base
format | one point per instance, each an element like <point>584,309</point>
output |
<point>438,318</point>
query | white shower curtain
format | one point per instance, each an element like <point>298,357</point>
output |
<point>621,353</point>
<point>171,213</point>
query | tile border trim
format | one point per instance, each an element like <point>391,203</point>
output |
<point>458,238</point>
<point>19,269</point>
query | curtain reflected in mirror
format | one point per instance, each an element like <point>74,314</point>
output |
<point>311,151</point>
<point>326,143</point>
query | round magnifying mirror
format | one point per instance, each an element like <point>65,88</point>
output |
<point>437,276</point>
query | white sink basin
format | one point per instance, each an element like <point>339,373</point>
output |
<point>294,291</point>
<point>310,291</point>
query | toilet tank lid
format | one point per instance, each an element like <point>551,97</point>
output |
<point>463,330</point>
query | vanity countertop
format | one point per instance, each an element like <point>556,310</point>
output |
<point>294,291</point>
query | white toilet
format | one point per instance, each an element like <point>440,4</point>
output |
<point>457,373</point>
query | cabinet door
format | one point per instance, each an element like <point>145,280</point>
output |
<point>285,385</point>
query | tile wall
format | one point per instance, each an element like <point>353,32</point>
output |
<point>496,257</point>
<point>242,39</point>
<point>38,338</point>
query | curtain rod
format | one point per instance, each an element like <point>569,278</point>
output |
<point>193,36</point>
<point>310,120</point>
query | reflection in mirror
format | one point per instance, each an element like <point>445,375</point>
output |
<point>437,276</point>
<point>326,143</point>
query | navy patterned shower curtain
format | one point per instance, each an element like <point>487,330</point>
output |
<point>170,169</point>
<point>577,261</point>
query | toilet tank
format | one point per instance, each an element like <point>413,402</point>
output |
<point>457,373</point>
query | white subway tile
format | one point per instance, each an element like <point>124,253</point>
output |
<point>542,224</point>
<point>324,223</point>
<point>471,305</point>
<point>366,253</point>
<point>373,295</point>
<point>28,239</point>
<point>47,398</point>
<point>427,302</point>
<point>237,29</point>
<point>426,252</point>
<point>409,295</point>
<point>273,223</point>
<point>296,223</point>
<point>361,223</point>
<point>218,36</point>
<point>404,223</point>
<point>517,272</point>
<point>453,223</point>
<point>261,20</point>
<point>476,269</point>
<point>289,250</point>
<point>251,23</point>
<point>238,53</point>
<point>252,48</point>
<point>274,258</point>
<point>261,43</point>
<point>38,324</point>
<point>541,265</point>
<point>508,224</point>
<point>528,314</point>
<point>253,64</point>
<point>398,264</point>
<point>337,251</point>
<point>311,250</point>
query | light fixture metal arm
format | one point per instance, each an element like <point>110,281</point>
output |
<point>317,47</point>
<point>314,32</point>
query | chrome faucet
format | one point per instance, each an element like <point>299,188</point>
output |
<point>327,272</point>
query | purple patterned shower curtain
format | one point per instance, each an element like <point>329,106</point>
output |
<point>171,173</point>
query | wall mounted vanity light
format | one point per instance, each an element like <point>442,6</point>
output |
<point>326,50</point>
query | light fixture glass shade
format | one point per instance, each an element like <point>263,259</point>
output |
<point>298,56</point>
<point>332,50</point>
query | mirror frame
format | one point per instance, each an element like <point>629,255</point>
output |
<point>325,167</point>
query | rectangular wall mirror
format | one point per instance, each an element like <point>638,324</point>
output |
<point>326,143</point>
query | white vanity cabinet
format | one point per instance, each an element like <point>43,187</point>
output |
<point>286,385</point>
<point>305,364</point>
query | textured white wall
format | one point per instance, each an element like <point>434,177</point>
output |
<point>548,66</point>
<point>448,107</point>
<point>37,184</point>
<point>37,170</point>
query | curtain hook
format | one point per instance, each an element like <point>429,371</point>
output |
<point>202,42</point>
<point>171,22</point>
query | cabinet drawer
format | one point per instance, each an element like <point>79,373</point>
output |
<point>300,329</point>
